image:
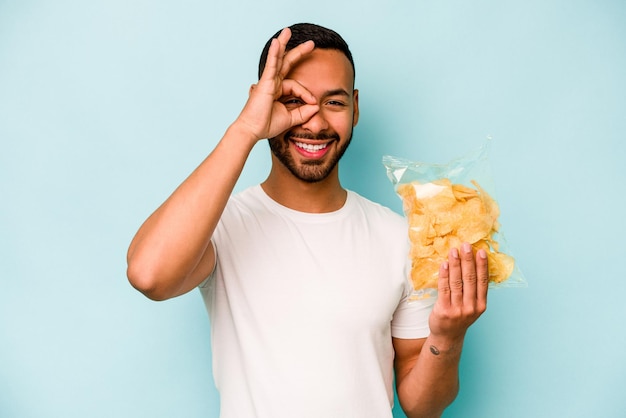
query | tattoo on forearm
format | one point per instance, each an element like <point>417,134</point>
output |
<point>434,350</point>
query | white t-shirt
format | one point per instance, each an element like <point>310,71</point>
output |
<point>303,307</point>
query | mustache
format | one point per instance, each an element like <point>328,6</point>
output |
<point>322,136</point>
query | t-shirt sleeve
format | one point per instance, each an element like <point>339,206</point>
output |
<point>410,320</point>
<point>207,281</point>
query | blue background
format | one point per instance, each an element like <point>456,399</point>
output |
<point>106,106</point>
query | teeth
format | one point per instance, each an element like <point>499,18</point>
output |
<point>311,148</point>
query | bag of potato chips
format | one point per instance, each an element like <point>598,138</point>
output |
<point>446,205</point>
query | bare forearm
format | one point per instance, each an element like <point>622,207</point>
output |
<point>171,243</point>
<point>432,383</point>
<point>429,374</point>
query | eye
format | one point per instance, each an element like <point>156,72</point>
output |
<point>292,102</point>
<point>336,103</point>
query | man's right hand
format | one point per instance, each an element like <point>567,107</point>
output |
<point>172,252</point>
<point>264,115</point>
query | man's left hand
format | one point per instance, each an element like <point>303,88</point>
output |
<point>462,287</point>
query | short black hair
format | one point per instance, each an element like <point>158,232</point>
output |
<point>324,38</point>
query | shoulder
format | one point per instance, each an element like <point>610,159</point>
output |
<point>243,207</point>
<point>249,199</point>
<point>376,211</point>
<point>246,196</point>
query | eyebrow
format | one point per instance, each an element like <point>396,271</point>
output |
<point>336,92</point>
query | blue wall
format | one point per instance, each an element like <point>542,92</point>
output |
<point>106,106</point>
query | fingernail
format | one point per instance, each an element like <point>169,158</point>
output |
<point>455,253</point>
<point>445,265</point>
<point>466,248</point>
<point>482,254</point>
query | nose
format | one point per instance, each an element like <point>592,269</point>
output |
<point>316,124</point>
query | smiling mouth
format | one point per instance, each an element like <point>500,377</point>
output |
<point>311,147</point>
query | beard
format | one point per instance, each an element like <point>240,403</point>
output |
<point>309,171</point>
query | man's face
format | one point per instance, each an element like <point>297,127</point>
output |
<point>312,150</point>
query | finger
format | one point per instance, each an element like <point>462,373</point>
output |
<point>304,111</point>
<point>302,114</point>
<point>282,39</point>
<point>295,89</point>
<point>273,61</point>
<point>443,284</point>
<point>275,53</point>
<point>294,55</point>
<point>468,270</point>
<point>482,271</point>
<point>456,277</point>
<point>284,36</point>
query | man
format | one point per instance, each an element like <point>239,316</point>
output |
<point>304,281</point>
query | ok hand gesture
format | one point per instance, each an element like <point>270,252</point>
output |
<point>264,116</point>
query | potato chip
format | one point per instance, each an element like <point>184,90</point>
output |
<point>500,266</point>
<point>425,273</point>
<point>443,215</point>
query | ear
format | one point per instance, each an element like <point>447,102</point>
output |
<point>355,107</point>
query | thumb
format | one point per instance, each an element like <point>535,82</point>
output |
<point>303,113</point>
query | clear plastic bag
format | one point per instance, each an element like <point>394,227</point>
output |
<point>446,205</point>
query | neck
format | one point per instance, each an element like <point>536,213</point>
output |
<point>319,197</point>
